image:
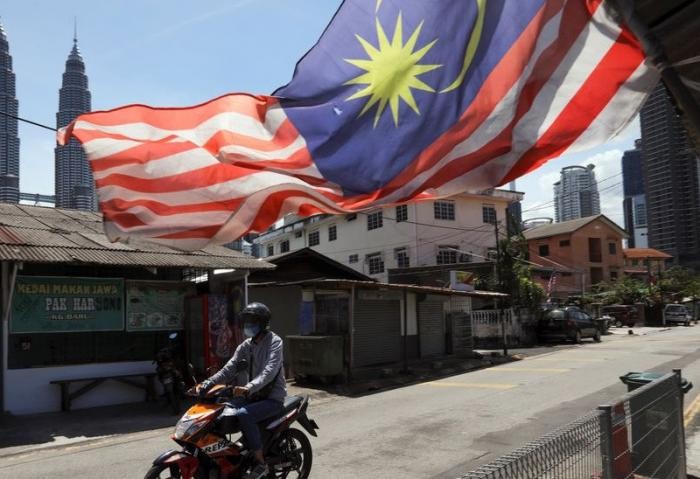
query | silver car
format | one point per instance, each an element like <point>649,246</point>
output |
<point>677,313</point>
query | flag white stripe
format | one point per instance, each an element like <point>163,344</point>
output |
<point>235,188</point>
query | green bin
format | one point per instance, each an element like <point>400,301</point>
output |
<point>637,380</point>
<point>650,419</point>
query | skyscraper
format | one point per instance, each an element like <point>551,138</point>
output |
<point>9,141</point>
<point>576,194</point>
<point>74,184</point>
<point>671,181</point>
<point>634,204</point>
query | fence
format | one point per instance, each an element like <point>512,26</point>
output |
<point>487,328</point>
<point>639,437</point>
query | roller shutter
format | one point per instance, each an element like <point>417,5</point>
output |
<point>377,336</point>
<point>431,326</point>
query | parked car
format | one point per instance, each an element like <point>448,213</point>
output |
<point>678,314</point>
<point>568,323</point>
<point>622,314</point>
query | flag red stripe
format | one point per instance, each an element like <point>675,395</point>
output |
<point>111,207</point>
<point>593,96</point>
<point>200,178</point>
<point>574,20</point>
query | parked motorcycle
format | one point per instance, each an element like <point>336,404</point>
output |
<point>173,373</point>
<point>209,449</point>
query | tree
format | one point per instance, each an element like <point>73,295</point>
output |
<point>515,274</point>
<point>623,291</point>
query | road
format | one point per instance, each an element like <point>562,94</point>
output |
<point>435,429</point>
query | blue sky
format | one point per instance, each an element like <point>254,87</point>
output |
<point>182,52</point>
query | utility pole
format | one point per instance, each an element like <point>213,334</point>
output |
<point>499,303</point>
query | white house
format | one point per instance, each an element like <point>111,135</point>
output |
<point>421,234</point>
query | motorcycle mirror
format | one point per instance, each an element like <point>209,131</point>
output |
<point>172,336</point>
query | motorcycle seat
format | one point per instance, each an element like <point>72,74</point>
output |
<point>290,403</point>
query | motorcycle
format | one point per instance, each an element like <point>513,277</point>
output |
<point>206,434</point>
<point>170,375</point>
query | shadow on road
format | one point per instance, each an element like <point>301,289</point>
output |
<point>61,427</point>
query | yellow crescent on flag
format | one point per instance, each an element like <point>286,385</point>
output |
<point>473,44</point>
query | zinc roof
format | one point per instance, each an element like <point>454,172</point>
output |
<point>35,234</point>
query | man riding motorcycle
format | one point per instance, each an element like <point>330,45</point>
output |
<point>264,388</point>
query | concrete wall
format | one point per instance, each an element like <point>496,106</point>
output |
<point>28,390</point>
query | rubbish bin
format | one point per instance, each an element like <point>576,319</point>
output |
<point>637,380</point>
<point>653,415</point>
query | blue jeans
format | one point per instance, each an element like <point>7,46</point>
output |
<point>249,414</point>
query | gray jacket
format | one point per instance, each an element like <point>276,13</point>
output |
<point>266,360</point>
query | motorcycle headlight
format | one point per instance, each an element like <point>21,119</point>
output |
<point>186,427</point>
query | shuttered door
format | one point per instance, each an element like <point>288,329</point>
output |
<point>431,324</point>
<point>377,325</point>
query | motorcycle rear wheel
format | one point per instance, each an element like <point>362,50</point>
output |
<point>295,449</point>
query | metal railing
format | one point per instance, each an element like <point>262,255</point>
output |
<point>639,437</point>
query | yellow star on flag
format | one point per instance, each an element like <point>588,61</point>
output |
<point>391,72</point>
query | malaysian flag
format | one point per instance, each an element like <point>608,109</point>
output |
<point>398,101</point>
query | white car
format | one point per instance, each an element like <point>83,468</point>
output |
<point>677,313</point>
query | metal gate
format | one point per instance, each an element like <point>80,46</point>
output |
<point>431,326</point>
<point>377,332</point>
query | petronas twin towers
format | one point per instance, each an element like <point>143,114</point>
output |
<point>74,187</point>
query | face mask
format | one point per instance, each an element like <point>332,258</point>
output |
<point>251,329</point>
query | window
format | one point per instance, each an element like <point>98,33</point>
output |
<point>351,217</point>
<point>402,259</point>
<point>284,246</point>
<point>612,248</point>
<point>374,221</point>
<point>298,234</point>
<point>635,262</point>
<point>488,213</point>
<point>544,250</point>
<point>401,213</point>
<point>314,238</point>
<point>613,275</point>
<point>444,210</point>
<point>446,255</point>
<point>595,254</point>
<point>332,233</point>
<point>564,243</point>
<point>352,258</point>
<point>270,250</point>
<point>375,263</point>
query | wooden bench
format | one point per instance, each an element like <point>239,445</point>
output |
<point>67,396</point>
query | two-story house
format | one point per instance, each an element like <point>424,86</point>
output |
<point>447,231</point>
<point>583,252</point>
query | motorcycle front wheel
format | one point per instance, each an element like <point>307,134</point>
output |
<point>170,471</point>
<point>295,453</point>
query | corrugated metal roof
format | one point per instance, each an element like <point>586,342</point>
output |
<point>345,283</point>
<point>34,234</point>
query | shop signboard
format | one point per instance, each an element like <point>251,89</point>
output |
<point>57,304</point>
<point>156,305</point>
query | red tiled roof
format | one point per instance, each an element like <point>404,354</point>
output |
<point>643,253</point>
